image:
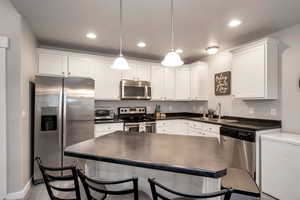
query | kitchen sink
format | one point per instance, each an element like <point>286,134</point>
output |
<point>218,120</point>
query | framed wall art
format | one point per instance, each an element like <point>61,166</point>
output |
<point>223,83</point>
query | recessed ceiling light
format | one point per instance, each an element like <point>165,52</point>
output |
<point>141,44</point>
<point>234,23</point>
<point>91,35</point>
<point>179,51</point>
<point>212,50</point>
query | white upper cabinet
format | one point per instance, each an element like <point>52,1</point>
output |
<point>182,85</point>
<point>199,81</point>
<point>186,83</point>
<point>143,71</point>
<point>52,63</point>
<point>157,80</point>
<point>255,70</point>
<point>169,83</point>
<point>140,71</point>
<point>80,66</point>
<point>107,80</point>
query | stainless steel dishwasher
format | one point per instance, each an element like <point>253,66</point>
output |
<point>239,149</point>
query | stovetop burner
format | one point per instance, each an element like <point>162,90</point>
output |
<point>135,119</point>
<point>134,114</point>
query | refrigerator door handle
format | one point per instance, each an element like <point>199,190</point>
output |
<point>60,111</point>
<point>64,119</point>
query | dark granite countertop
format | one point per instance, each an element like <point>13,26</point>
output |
<point>105,121</point>
<point>199,156</point>
<point>242,123</point>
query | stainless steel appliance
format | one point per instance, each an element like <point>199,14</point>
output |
<point>239,149</point>
<point>131,89</point>
<point>136,119</point>
<point>102,113</point>
<point>63,115</point>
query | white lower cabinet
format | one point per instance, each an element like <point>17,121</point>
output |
<point>187,127</point>
<point>106,128</point>
<point>175,127</point>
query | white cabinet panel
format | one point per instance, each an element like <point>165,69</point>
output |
<point>169,83</point>
<point>249,73</point>
<point>106,128</point>
<point>140,71</point>
<point>107,80</point>
<point>129,74</point>
<point>143,71</point>
<point>199,81</point>
<point>188,127</point>
<point>80,66</point>
<point>280,165</point>
<point>255,70</point>
<point>174,127</point>
<point>157,79</point>
<point>53,64</point>
<point>182,83</point>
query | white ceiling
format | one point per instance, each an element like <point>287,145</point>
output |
<point>198,23</point>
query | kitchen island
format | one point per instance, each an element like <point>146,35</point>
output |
<point>186,163</point>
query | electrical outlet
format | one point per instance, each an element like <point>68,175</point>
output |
<point>273,111</point>
<point>170,108</point>
<point>251,111</point>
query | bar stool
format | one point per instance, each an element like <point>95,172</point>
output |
<point>61,183</point>
<point>226,193</point>
<point>96,189</point>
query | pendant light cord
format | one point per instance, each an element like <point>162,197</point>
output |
<point>121,27</point>
<point>172,26</point>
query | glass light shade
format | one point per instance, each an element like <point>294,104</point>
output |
<point>172,59</point>
<point>212,50</point>
<point>120,63</point>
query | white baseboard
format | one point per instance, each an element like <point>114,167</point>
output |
<point>20,194</point>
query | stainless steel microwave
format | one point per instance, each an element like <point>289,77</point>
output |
<point>139,90</point>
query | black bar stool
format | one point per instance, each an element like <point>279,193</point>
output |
<point>60,186</point>
<point>156,195</point>
<point>95,188</point>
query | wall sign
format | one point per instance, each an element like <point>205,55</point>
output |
<point>223,83</point>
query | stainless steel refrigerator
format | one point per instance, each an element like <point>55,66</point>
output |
<point>63,115</point>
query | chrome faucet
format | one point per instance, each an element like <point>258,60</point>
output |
<point>219,108</point>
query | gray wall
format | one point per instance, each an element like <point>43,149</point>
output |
<point>166,106</point>
<point>28,69</point>
<point>236,107</point>
<point>288,106</point>
<point>18,56</point>
<point>290,75</point>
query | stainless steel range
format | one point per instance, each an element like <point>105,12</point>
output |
<point>136,119</point>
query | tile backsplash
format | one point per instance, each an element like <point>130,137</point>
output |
<point>166,106</point>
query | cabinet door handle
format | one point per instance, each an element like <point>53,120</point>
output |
<point>69,73</point>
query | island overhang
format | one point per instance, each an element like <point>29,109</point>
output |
<point>193,155</point>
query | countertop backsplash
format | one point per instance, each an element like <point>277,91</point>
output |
<point>166,106</point>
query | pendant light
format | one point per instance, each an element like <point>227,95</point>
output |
<point>120,63</point>
<point>172,59</point>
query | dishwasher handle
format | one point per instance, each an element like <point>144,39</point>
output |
<point>241,134</point>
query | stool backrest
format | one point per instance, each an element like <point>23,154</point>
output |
<point>98,186</point>
<point>56,178</point>
<point>158,195</point>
